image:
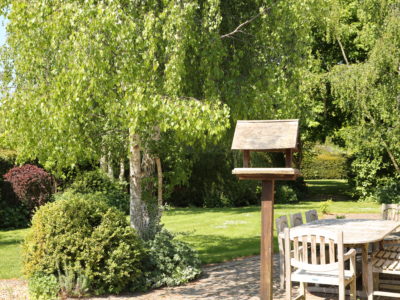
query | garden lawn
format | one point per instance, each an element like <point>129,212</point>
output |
<point>221,234</point>
<point>10,252</point>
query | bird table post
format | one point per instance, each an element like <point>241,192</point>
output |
<point>271,136</point>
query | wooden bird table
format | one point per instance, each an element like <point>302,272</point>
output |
<point>274,136</point>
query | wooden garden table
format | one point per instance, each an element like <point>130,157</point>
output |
<point>358,233</point>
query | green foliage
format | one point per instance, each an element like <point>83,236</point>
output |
<point>170,262</point>
<point>97,182</point>
<point>285,194</point>
<point>388,193</point>
<point>325,207</point>
<point>325,166</point>
<point>73,282</point>
<point>89,237</point>
<point>43,287</point>
<point>211,183</point>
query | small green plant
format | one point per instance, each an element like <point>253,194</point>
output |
<point>340,217</point>
<point>169,262</point>
<point>43,287</point>
<point>73,283</point>
<point>325,206</point>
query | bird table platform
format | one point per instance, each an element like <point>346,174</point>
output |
<point>266,136</point>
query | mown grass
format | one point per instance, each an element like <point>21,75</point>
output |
<point>10,252</point>
<point>219,234</point>
<point>226,233</point>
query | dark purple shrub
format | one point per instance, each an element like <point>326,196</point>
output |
<point>31,184</point>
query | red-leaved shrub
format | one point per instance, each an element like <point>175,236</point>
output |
<point>31,184</point>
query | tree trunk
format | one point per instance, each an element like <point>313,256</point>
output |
<point>139,217</point>
<point>121,176</point>
<point>110,170</point>
<point>103,163</point>
<point>160,183</point>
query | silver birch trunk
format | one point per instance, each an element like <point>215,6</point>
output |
<point>159,183</point>
<point>103,163</point>
<point>110,170</point>
<point>139,217</point>
<point>121,176</point>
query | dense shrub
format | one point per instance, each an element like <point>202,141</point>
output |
<point>325,166</point>
<point>97,182</point>
<point>389,192</point>
<point>84,236</point>
<point>170,261</point>
<point>211,183</point>
<point>31,184</point>
<point>285,194</point>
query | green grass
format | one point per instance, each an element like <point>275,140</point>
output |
<point>10,252</point>
<point>219,234</point>
<point>336,189</point>
<point>226,233</point>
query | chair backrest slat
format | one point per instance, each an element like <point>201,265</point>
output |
<point>296,219</point>
<point>305,249</point>
<point>331,251</point>
<point>313,250</point>
<point>391,212</point>
<point>311,215</point>
<point>281,223</point>
<point>309,249</point>
<point>296,248</point>
<point>322,250</point>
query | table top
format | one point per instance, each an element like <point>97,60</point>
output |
<point>355,231</point>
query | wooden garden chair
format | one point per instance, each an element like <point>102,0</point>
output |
<point>328,269</point>
<point>391,212</point>
<point>296,219</point>
<point>281,224</point>
<point>386,261</point>
<point>311,215</point>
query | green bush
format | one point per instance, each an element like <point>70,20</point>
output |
<point>43,287</point>
<point>13,214</point>
<point>90,238</point>
<point>325,166</point>
<point>169,262</point>
<point>285,194</point>
<point>97,182</point>
<point>389,192</point>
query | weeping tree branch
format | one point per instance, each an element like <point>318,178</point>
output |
<point>238,29</point>
<point>343,52</point>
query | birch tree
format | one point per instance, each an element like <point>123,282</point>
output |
<point>80,75</point>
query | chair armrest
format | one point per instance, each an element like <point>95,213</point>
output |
<point>349,254</point>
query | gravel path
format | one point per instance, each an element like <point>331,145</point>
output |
<point>234,280</point>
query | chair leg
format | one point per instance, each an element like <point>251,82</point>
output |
<point>282,269</point>
<point>353,290</point>
<point>342,292</point>
<point>303,290</point>
<point>288,288</point>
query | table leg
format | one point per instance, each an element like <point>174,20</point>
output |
<point>366,272</point>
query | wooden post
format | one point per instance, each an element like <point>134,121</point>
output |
<point>267,216</point>
<point>246,158</point>
<point>288,158</point>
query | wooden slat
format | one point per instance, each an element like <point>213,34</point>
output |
<point>313,250</point>
<point>331,251</point>
<point>296,248</point>
<point>322,250</point>
<point>305,249</point>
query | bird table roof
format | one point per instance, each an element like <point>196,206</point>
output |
<point>266,135</point>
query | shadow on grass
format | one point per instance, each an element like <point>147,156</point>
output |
<point>217,248</point>
<point>199,210</point>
